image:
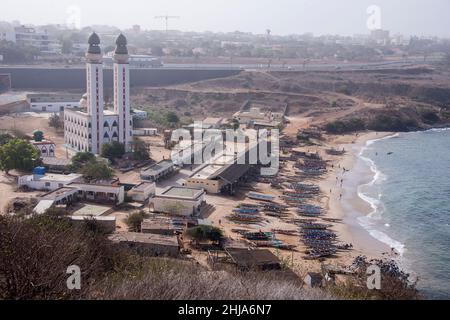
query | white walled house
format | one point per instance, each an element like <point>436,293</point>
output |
<point>143,191</point>
<point>48,182</point>
<point>179,201</point>
<point>145,132</point>
<point>90,127</point>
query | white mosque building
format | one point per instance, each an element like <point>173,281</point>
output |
<point>88,128</point>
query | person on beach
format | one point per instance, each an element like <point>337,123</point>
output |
<point>340,196</point>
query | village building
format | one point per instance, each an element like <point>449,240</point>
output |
<point>102,193</point>
<point>159,225</point>
<point>179,201</point>
<point>78,192</point>
<point>218,178</point>
<point>46,102</point>
<point>139,114</point>
<point>88,128</point>
<point>56,165</point>
<point>145,132</point>
<point>39,180</point>
<point>255,116</point>
<point>148,244</point>
<point>142,192</point>
<point>158,171</point>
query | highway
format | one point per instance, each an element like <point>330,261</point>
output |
<point>307,67</point>
<point>344,66</point>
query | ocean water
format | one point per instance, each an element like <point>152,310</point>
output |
<point>410,200</point>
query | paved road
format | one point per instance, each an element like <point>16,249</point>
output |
<point>274,67</point>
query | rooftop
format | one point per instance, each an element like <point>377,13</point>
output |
<point>61,177</point>
<point>207,171</point>
<point>91,210</point>
<point>158,167</point>
<point>182,192</point>
<point>142,186</point>
<point>247,258</point>
<point>52,161</point>
<point>58,192</point>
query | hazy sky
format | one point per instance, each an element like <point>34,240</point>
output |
<point>421,17</point>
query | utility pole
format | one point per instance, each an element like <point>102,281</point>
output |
<point>167,18</point>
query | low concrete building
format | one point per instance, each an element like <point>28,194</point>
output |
<point>180,201</point>
<point>148,244</point>
<point>56,165</point>
<point>102,193</point>
<point>160,225</point>
<point>142,192</point>
<point>53,102</point>
<point>158,171</point>
<point>255,115</point>
<point>62,196</point>
<point>139,114</point>
<point>259,259</point>
<point>49,181</point>
<point>145,132</point>
<point>218,178</point>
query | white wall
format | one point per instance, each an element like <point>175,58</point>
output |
<point>53,106</point>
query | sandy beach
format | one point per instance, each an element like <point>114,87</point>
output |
<point>344,202</point>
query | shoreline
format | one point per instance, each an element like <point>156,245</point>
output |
<point>351,207</point>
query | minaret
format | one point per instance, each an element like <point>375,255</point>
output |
<point>94,70</point>
<point>122,91</point>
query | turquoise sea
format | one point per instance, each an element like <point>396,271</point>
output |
<point>410,200</point>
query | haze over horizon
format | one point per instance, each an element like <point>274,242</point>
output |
<point>416,17</point>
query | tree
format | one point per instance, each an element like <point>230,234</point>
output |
<point>18,154</point>
<point>140,150</point>
<point>96,170</point>
<point>235,124</point>
<point>113,150</point>
<point>5,138</point>
<point>55,121</point>
<point>202,232</point>
<point>81,159</point>
<point>172,117</point>
<point>134,221</point>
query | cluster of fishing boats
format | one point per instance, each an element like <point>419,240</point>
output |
<point>266,239</point>
<point>311,166</point>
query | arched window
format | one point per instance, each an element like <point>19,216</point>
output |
<point>114,123</point>
<point>105,124</point>
<point>106,135</point>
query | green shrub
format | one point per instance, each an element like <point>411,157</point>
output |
<point>345,126</point>
<point>201,233</point>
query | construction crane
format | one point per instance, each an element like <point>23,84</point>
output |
<point>167,18</point>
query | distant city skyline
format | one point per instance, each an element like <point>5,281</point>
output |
<point>282,17</point>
